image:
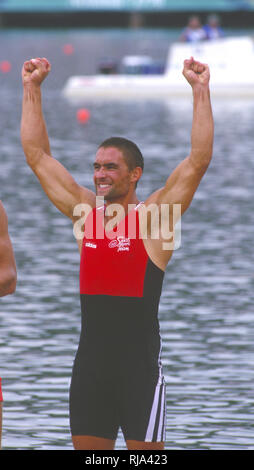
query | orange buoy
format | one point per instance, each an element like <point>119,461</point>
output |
<point>68,49</point>
<point>83,115</point>
<point>5,66</point>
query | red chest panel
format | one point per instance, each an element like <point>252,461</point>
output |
<point>115,264</point>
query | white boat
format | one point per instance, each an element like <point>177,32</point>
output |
<point>231,62</point>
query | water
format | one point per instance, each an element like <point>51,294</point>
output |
<point>206,309</point>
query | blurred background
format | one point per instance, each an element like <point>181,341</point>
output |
<point>115,13</point>
<point>206,310</point>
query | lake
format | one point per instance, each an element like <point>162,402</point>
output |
<point>207,305</point>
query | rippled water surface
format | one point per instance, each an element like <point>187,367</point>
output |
<point>207,305</point>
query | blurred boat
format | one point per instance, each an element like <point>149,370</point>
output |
<point>231,62</point>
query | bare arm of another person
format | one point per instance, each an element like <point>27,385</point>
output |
<point>1,412</point>
<point>8,274</point>
<point>63,191</point>
<point>182,184</point>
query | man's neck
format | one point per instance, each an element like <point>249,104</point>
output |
<point>126,203</point>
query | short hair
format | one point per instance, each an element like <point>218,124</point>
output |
<point>131,153</point>
<point>214,18</point>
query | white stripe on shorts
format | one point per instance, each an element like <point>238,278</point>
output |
<point>160,434</point>
<point>156,409</point>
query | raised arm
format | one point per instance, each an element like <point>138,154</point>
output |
<point>56,181</point>
<point>198,76</point>
<point>8,274</point>
<point>184,180</point>
<point>182,184</point>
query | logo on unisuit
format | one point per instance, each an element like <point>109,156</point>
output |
<point>91,245</point>
<point>121,243</point>
<point>155,222</point>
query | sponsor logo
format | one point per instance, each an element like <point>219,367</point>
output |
<point>91,245</point>
<point>121,243</point>
<point>158,222</point>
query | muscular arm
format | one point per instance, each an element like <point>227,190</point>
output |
<point>182,184</point>
<point>56,181</point>
<point>8,275</point>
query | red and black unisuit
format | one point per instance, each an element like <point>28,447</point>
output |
<point>117,379</point>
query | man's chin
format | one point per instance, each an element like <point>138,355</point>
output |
<point>105,195</point>
<point>109,195</point>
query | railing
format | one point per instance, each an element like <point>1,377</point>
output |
<point>125,5</point>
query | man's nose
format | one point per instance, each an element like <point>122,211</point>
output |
<point>101,173</point>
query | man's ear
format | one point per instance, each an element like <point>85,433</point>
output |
<point>136,174</point>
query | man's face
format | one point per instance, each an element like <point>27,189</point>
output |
<point>194,23</point>
<point>112,177</point>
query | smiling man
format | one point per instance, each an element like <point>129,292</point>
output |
<point>117,379</point>
<point>110,177</point>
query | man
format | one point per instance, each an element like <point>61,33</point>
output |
<point>194,31</point>
<point>117,379</point>
<point>8,274</point>
<point>212,28</point>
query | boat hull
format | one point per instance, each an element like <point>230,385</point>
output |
<point>231,62</point>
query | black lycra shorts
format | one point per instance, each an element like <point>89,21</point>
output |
<point>101,402</point>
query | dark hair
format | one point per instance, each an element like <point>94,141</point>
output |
<point>132,155</point>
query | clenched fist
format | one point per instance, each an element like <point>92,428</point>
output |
<point>196,73</point>
<point>34,71</point>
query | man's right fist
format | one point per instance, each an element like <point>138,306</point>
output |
<point>34,71</point>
